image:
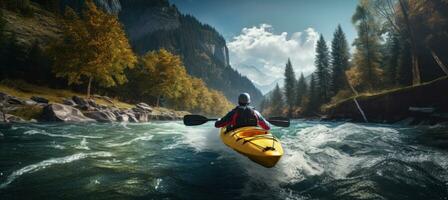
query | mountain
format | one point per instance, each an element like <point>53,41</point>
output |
<point>157,24</point>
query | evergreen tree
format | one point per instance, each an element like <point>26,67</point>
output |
<point>301,90</point>
<point>94,48</point>
<point>339,60</point>
<point>392,59</point>
<point>290,82</point>
<point>322,71</point>
<point>366,72</point>
<point>313,96</point>
<point>277,103</point>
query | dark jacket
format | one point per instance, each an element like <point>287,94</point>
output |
<point>242,116</point>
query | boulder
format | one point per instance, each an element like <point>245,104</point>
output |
<point>92,103</point>
<point>13,118</point>
<point>102,116</point>
<point>123,118</point>
<point>80,101</point>
<point>15,100</point>
<point>64,113</point>
<point>142,116</point>
<point>30,102</point>
<point>144,107</point>
<point>131,117</point>
<point>39,99</point>
<point>69,102</point>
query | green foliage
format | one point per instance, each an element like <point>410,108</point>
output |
<point>339,60</point>
<point>277,102</point>
<point>102,49</point>
<point>301,91</point>
<point>313,95</point>
<point>290,85</point>
<point>366,73</point>
<point>191,41</point>
<point>322,71</point>
<point>392,60</point>
<point>161,78</point>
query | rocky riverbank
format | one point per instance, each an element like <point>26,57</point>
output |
<point>78,109</point>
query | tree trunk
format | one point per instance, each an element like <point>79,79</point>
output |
<point>88,87</point>
<point>439,62</point>
<point>415,67</point>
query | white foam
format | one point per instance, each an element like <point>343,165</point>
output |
<point>83,145</point>
<point>50,162</point>
<point>141,138</point>
<point>71,136</point>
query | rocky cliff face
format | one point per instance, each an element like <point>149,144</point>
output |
<point>156,24</point>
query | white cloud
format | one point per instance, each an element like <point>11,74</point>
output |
<point>261,49</point>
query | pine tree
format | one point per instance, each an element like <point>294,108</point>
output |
<point>94,48</point>
<point>313,96</point>
<point>322,71</point>
<point>277,103</point>
<point>290,82</point>
<point>366,73</point>
<point>339,60</point>
<point>392,59</point>
<point>301,90</point>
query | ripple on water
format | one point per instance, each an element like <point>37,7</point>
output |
<point>50,162</point>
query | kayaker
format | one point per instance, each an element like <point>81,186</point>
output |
<point>243,115</point>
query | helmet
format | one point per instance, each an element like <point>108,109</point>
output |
<point>244,99</point>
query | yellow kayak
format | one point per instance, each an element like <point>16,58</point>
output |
<point>255,143</point>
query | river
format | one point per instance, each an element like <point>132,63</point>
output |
<point>166,160</point>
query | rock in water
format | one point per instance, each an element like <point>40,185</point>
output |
<point>64,113</point>
<point>123,118</point>
<point>13,118</point>
<point>39,99</point>
<point>102,116</point>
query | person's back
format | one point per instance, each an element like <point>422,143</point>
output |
<point>243,115</point>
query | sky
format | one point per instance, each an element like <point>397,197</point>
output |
<point>263,34</point>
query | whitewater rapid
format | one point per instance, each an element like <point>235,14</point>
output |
<point>172,161</point>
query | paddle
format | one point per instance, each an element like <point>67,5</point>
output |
<point>194,120</point>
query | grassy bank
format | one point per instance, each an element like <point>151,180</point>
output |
<point>25,90</point>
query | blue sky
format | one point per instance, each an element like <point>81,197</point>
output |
<point>263,34</point>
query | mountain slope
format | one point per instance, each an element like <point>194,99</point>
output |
<point>156,24</point>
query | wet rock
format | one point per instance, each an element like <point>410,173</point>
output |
<point>123,118</point>
<point>144,107</point>
<point>132,117</point>
<point>64,113</point>
<point>102,116</point>
<point>142,116</point>
<point>39,99</point>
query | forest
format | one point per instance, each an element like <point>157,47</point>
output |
<point>399,43</point>
<point>93,54</point>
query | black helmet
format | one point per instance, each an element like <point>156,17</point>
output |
<point>244,99</point>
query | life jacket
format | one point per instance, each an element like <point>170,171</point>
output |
<point>244,116</point>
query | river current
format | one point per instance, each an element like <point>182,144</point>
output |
<point>166,160</point>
